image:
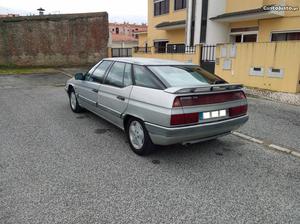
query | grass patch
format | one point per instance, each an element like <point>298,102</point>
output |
<point>13,71</point>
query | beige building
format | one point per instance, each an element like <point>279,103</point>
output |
<point>124,35</point>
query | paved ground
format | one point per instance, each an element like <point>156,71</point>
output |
<point>61,167</point>
<point>274,122</point>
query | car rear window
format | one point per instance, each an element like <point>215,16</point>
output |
<point>173,76</point>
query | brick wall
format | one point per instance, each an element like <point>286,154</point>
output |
<point>54,40</point>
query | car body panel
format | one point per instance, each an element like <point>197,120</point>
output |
<point>188,134</point>
<point>87,93</point>
<point>114,99</point>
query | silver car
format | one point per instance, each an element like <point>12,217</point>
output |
<point>159,102</point>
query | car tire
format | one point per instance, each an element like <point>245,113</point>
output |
<point>138,137</point>
<point>74,102</point>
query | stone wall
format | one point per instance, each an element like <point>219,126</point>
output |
<point>54,40</point>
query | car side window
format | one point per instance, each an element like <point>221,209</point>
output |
<point>127,75</point>
<point>87,75</point>
<point>115,76</point>
<point>143,77</point>
<point>100,71</point>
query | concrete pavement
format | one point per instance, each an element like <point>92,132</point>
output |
<point>61,167</point>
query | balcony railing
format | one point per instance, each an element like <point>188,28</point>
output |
<point>180,49</point>
<point>169,49</point>
<point>142,50</point>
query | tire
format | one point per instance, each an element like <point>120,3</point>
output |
<point>138,137</point>
<point>74,102</point>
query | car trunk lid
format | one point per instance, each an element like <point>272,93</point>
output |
<point>202,104</point>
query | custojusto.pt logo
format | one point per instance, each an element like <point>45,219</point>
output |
<point>280,8</point>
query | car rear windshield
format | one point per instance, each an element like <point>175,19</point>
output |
<point>174,76</point>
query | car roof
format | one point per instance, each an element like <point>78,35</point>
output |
<point>148,61</point>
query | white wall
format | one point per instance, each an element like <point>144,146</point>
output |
<point>188,23</point>
<point>216,32</point>
<point>198,14</point>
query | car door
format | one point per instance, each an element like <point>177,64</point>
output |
<point>89,88</point>
<point>115,90</point>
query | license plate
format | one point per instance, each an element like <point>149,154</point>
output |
<point>212,114</point>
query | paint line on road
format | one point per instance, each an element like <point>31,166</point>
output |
<point>65,73</point>
<point>248,137</point>
<point>272,146</point>
<point>282,149</point>
<point>297,154</point>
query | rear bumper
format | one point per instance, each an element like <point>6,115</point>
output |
<point>168,136</point>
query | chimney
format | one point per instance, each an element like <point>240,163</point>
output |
<point>41,11</point>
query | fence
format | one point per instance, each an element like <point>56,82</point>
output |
<point>121,52</point>
<point>142,50</point>
<point>208,57</point>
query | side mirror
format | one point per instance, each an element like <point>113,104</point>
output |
<point>79,76</point>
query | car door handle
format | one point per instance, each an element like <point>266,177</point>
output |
<point>95,90</point>
<point>121,98</point>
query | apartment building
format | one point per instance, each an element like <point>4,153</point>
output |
<point>260,20</point>
<point>253,42</point>
<point>173,24</point>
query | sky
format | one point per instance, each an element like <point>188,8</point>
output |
<point>118,10</point>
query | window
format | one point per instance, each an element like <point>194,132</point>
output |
<point>174,76</point>
<point>244,34</point>
<point>204,21</point>
<point>100,71</point>
<point>176,48</point>
<point>285,36</point>
<point>237,38</point>
<point>117,30</point>
<point>115,76</point>
<point>143,77</point>
<point>87,75</point>
<point>179,4</point>
<point>160,46</point>
<point>250,38</point>
<point>127,75</point>
<point>192,26</point>
<point>161,7</point>
<point>243,38</point>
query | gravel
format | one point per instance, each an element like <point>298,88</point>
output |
<point>290,98</point>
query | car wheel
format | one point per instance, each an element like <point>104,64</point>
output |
<point>74,103</point>
<point>138,137</point>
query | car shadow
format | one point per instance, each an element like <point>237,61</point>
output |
<point>217,148</point>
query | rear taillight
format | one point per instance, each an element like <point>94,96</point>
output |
<point>177,102</point>
<point>238,111</point>
<point>208,99</point>
<point>179,119</point>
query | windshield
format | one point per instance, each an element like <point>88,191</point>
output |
<point>174,76</point>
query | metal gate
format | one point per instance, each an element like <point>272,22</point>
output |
<point>208,58</point>
<point>121,52</point>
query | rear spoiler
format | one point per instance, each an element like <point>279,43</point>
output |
<point>206,88</point>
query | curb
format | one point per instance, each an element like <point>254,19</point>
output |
<point>271,146</point>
